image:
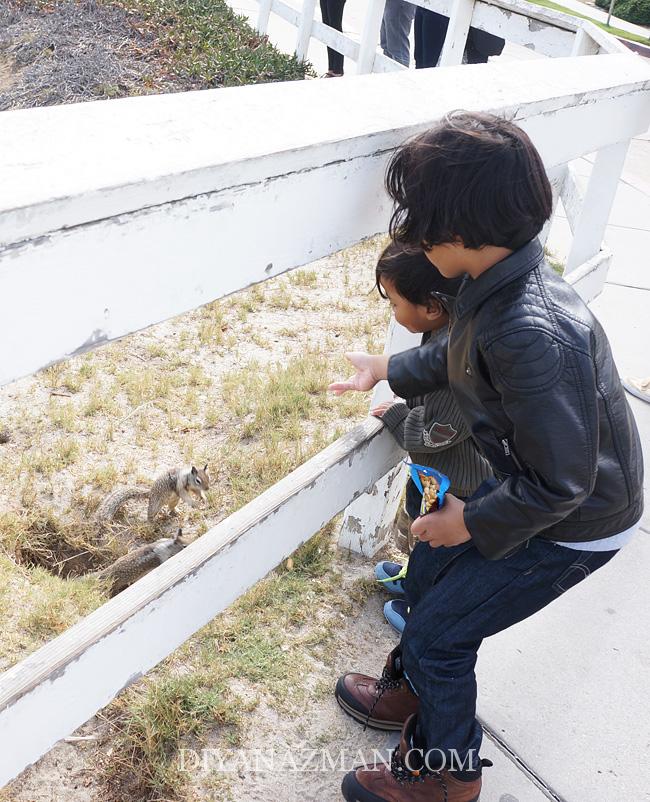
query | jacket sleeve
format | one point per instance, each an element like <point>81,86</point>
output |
<point>549,395</point>
<point>419,370</point>
<point>431,428</point>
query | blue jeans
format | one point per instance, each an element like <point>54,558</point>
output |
<point>395,30</point>
<point>457,598</point>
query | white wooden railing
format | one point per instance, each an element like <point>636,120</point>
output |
<point>115,215</point>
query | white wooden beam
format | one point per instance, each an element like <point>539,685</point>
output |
<point>456,38</point>
<point>589,229</point>
<point>370,35</point>
<point>606,42</point>
<point>263,15</point>
<point>185,181</point>
<point>584,44</point>
<point>305,29</point>
<point>54,690</point>
<point>338,41</point>
<point>287,12</point>
<point>588,279</point>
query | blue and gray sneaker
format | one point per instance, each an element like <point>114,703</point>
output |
<point>396,612</point>
<point>391,576</point>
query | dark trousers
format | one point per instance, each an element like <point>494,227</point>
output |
<point>332,12</point>
<point>429,33</point>
<point>457,598</point>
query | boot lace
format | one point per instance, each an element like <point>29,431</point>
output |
<point>404,775</point>
<point>385,683</point>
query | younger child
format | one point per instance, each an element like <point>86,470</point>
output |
<point>429,426</point>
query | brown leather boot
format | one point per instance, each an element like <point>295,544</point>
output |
<point>407,779</point>
<point>384,703</point>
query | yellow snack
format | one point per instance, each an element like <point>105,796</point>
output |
<point>430,495</point>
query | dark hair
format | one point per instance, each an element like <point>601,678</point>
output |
<point>414,277</point>
<point>473,176</point>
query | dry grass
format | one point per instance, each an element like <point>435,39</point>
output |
<point>239,384</point>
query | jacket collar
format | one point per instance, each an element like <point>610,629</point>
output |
<point>474,291</point>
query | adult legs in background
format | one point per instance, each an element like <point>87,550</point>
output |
<point>395,30</point>
<point>429,33</point>
<point>332,13</point>
<point>481,45</point>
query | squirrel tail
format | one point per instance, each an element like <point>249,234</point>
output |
<point>112,503</point>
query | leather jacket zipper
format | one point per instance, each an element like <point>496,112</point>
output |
<point>509,452</point>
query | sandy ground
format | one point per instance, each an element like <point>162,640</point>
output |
<point>144,442</point>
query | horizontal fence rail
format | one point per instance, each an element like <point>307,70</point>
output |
<point>157,226</point>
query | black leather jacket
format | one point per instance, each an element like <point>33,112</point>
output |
<point>533,374</point>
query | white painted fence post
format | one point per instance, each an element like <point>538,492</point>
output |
<point>370,36</point>
<point>583,44</point>
<point>589,228</point>
<point>368,521</point>
<point>263,16</point>
<point>456,38</point>
<point>304,29</point>
<point>557,177</point>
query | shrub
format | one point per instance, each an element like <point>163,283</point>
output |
<point>637,11</point>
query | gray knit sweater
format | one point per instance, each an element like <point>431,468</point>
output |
<point>431,428</point>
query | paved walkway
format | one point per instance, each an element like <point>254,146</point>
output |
<point>599,14</point>
<point>564,694</point>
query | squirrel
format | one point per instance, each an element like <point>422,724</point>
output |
<point>188,484</point>
<point>135,564</point>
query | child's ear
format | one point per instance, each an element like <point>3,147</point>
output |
<point>435,309</point>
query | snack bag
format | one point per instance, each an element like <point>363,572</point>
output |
<point>432,484</point>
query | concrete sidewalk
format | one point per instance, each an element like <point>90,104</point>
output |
<point>591,10</point>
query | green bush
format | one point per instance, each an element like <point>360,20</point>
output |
<point>207,43</point>
<point>637,11</point>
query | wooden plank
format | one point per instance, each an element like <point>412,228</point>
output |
<point>605,41</point>
<point>287,12</point>
<point>548,36</point>
<point>545,31</point>
<point>589,278</point>
<point>384,64</point>
<point>263,15</point>
<point>370,36</point>
<point>54,690</point>
<point>305,29</point>
<point>456,38</point>
<point>584,44</point>
<point>170,147</point>
<point>335,39</point>
<point>589,228</point>
<point>572,196</point>
<point>324,158</point>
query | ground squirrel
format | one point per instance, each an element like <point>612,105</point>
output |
<point>188,484</point>
<point>130,567</point>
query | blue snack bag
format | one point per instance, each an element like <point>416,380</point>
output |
<point>432,484</point>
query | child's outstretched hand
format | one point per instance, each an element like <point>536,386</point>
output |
<point>379,410</point>
<point>444,527</point>
<point>370,369</point>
